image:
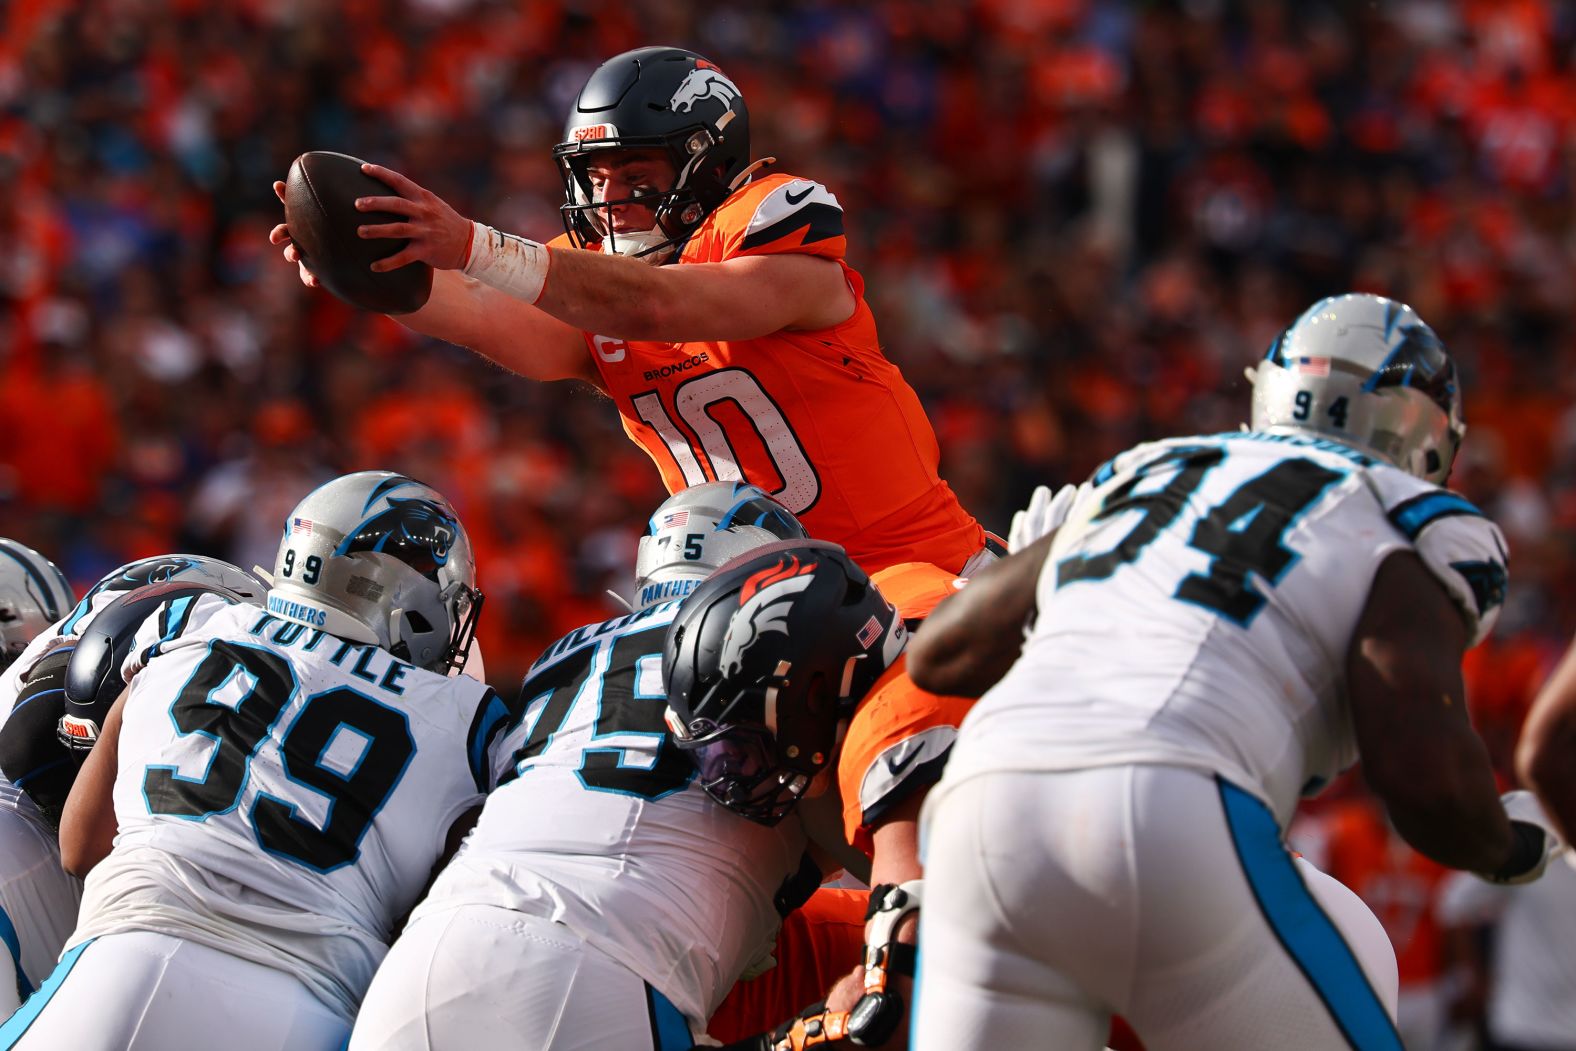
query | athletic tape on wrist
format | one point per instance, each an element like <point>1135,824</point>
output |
<point>512,264</point>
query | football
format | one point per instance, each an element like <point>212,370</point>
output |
<point>320,208</point>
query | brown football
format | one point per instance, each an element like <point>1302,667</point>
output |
<point>320,209</point>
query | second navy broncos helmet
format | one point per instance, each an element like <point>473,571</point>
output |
<point>1365,371</point>
<point>765,660</point>
<point>661,98</point>
<point>380,558</point>
<point>698,529</point>
<point>33,595</point>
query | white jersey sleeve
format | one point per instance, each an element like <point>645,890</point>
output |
<point>1461,547</point>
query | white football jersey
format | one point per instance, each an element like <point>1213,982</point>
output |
<point>599,824</point>
<point>1197,605</point>
<point>282,794</point>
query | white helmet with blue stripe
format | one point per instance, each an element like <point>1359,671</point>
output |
<point>380,558</point>
<point>698,529</point>
<point>1365,371</point>
<point>34,594</point>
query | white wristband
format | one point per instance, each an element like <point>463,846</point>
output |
<point>513,265</point>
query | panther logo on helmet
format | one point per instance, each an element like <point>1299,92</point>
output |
<point>408,526</point>
<point>703,82</point>
<point>764,605</point>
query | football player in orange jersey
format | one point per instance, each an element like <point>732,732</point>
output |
<point>746,351</point>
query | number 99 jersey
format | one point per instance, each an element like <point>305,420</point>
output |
<point>282,794</point>
<point>1198,603</point>
<point>821,420</point>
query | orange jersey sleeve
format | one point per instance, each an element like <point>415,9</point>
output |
<point>818,944</point>
<point>819,419</point>
<point>900,736</point>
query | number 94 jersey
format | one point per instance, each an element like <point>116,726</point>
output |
<point>282,794</point>
<point>1197,606</point>
<point>821,420</point>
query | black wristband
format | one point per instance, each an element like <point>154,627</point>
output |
<point>1528,844</point>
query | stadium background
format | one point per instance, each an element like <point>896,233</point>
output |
<point>1079,221</point>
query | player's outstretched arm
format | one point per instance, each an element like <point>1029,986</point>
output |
<point>88,825</point>
<point>973,637</point>
<point>463,311</point>
<point>1548,743</point>
<point>611,295</point>
<point>1419,752</point>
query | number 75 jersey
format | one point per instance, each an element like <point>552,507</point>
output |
<point>820,419</point>
<point>1197,606</point>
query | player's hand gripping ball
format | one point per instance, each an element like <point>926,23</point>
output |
<point>320,209</point>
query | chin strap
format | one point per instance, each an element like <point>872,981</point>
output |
<point>878,1013</point>
<point>749,172</point>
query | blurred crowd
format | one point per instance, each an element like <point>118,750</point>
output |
<point>1079,222</point>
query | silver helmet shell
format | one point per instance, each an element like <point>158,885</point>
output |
<point>698,529</point>
<point>34,594</point>
<point>1365,371</point>
<point>380,558</point>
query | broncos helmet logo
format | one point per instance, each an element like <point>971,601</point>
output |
<point>764,605</point>
<point>701,84</point>
<point>418,532</point>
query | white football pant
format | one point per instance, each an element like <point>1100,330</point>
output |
<point>141,991</point>
<point>38,906</point>
<point>1165,895</point>
<point>478,976</point>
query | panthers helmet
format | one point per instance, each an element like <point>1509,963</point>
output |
<point>662,98</point>
<point>33,595</point>
<point>763,662</point>
<point>698,529</point>
<point>380,558</point>
<point>1365,371</point>
<point>159,569</point>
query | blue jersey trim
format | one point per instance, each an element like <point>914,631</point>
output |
<point>1309,937</point>
<point>8,937</point>
<point>1413,516</point>
<point>669,1030</point>
<point>18,1024</point>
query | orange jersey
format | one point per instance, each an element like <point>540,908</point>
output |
<point>819,942</point>
<point>1400,885</point>
<point>819,419</point>
<point>900,736</point>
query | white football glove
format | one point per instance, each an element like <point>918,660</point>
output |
<point>1528,822</point>
<point>1044,513</point>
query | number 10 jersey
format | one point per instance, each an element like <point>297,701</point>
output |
<point>821,419</point>
<point>1197,606</point>
<point>282,794</point>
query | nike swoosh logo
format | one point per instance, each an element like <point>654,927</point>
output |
<point>792,199</point>
<point>897,766</point>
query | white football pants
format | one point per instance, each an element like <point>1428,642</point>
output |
<point>140,991</point>
<point>38,906</point>
<point>478,976</point>
<point>1165,895</point>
